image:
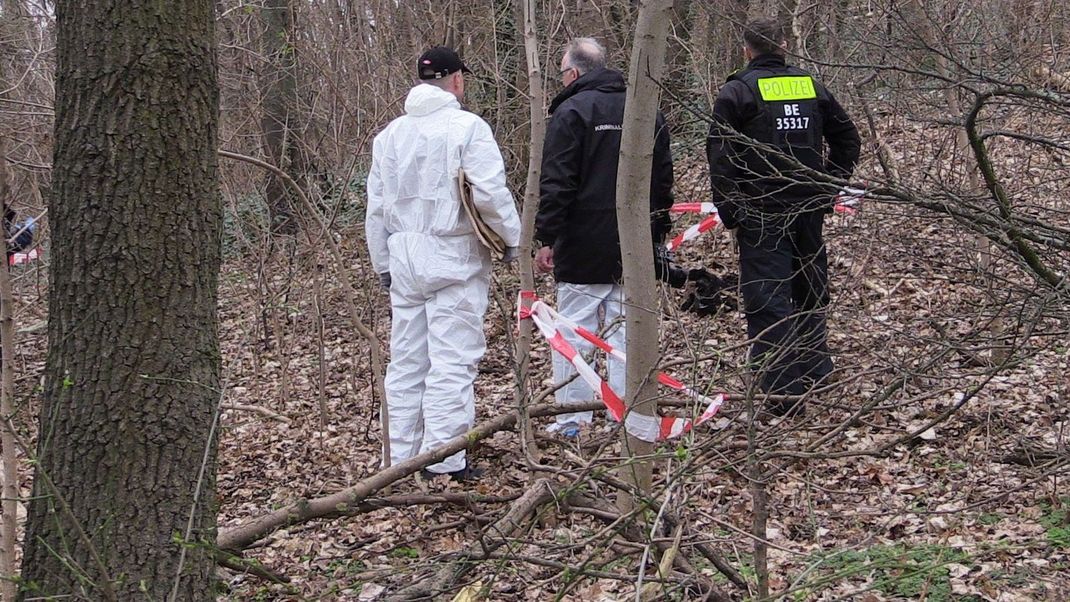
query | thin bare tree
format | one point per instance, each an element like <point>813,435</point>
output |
<point>633,219</point>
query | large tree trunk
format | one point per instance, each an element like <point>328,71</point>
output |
<point>633,219</point>
<point>124,488</point>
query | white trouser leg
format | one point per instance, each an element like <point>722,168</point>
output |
<point>455,346</point>
<point>407,369</point>
<point>581,304</point>
<point>614,314</point>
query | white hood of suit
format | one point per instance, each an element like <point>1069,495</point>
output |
<point>424,99</point>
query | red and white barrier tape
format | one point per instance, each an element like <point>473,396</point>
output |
<point>544,321</point>
<point>693,208</point>
<point>707,224</point>
<point>641,426</point>
<point>846,202</point>
<point>23,257</point>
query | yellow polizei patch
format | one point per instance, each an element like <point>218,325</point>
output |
<point>788,87</point>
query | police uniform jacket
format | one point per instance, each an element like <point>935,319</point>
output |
<point>771,125</point>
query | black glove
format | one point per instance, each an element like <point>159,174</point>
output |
<point>710,293</point>
<point>667,271</point>
<point>384,280</point>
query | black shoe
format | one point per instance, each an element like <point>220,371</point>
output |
<point>468,473</point>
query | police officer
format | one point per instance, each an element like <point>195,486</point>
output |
<point>770,179</point>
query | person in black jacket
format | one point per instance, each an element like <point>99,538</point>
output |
<point>772,181</point>
<point>18,235</point>
<point>577,216</point>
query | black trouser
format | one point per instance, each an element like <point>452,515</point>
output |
<point>783,273</point>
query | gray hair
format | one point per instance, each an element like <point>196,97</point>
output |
<point>585,54</point>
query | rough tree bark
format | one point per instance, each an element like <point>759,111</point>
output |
<point>633,220</point>
<point>123,501</point>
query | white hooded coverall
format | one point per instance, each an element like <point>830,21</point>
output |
<point>440,273</point>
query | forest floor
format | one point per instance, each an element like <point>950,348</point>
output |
<point>973,508</point>
<point>960,511</point>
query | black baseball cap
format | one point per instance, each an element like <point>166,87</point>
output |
<point>439,62</point>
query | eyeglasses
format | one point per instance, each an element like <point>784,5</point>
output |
<point>564,71</point>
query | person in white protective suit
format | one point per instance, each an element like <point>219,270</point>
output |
<point>425,250</point>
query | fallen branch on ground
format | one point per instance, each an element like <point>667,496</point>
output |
<point>347,501</point>
<point>358,499</point>
<point>241,565</point>
<point>541,492</point>
<point>1033,457</point>
<point>256,409</point>
<point>342,503</point>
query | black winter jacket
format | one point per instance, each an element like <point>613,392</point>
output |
<point>577,207</point>
<point>743,175</point>
<point>18,237</point>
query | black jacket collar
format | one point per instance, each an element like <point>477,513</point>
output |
<point>600,80</point>
<point>770,62</point>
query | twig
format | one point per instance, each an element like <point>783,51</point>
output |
<point>241,565</point>
<point>607,514</point>
<point>321,362</point>
<point>650,591</point>
<point>1033,457</point>
<point>884,153</point>
<point>710,554</point>
<point>760,508</point>
<point>639,589</point>
<point>257,409</point>
<point>578,571</point>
